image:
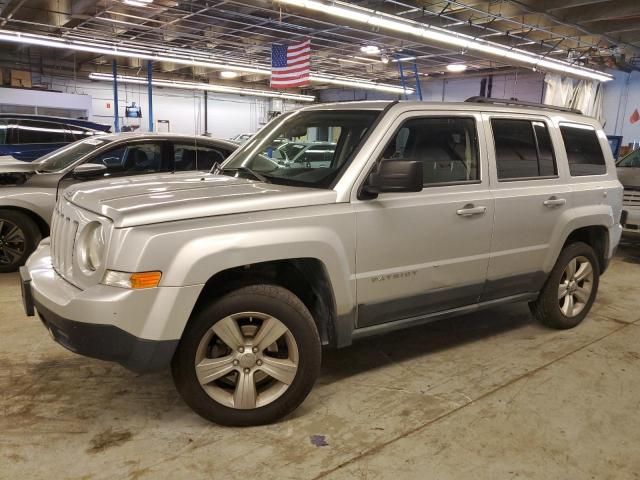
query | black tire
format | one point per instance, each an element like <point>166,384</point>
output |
<point>268,299</point>
<point>10,261</point>
<point>546,307</point>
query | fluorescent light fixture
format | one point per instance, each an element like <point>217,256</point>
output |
<point>370,50</point>
<point>107,77</point>
<point>364,84</point>
<point>228,74</point>
<point>457,67</point>
<point>136,3</point>
<point>177,55</point>
<point>431,34</point>
<point>404,59</point>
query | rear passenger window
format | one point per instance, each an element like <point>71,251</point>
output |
<point>32,131</point>
<point>583,151</point>
<point>523,149</point>
<point>192,157</point>
<point>4,132</point>
<point>447,147</point>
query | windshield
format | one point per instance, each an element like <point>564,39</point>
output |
<point>69,154</point>
<point>268,152</point>
<point>631,160</point>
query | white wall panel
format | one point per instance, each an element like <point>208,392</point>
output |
<point>37,98</point>
<point>621,99</point>
<point>228,115</point>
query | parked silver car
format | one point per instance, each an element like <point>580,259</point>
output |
<point>237,278</point>
<point>629,175</point>
<point>28,191</point>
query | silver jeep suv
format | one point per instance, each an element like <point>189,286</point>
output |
<point>236,278</point>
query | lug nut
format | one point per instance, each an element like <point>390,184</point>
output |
<point>255,349</point>
<point>246,370</point>
<point>241,349</point>
<point>235,363</point>
<point>259,362</point>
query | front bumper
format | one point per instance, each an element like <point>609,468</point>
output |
<point>139,329</point>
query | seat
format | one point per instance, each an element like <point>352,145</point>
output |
<point>439,165</point>
<point>141,161</point>
<point>187,161</point>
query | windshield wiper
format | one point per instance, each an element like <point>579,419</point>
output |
<point>253,173</point>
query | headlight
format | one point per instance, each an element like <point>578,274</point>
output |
<point>91,247</point>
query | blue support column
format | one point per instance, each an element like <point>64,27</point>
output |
<point>418,86</point>
<point>403,81</point>
<point>116,118</point>
<point>150,92</point>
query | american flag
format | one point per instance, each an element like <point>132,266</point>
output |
<point>290,65</point>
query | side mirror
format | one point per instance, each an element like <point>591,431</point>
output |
<point>395,175</point>
<point>89,170</point>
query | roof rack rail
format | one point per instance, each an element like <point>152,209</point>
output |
<point>521,104</point>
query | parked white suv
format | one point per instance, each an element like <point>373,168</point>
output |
<point>236,278</point>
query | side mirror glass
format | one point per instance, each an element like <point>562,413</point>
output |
<point>395,175</point>
<point>112,163</point>
<point>89,170</point>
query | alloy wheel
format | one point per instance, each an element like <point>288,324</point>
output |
<point>246,360</point>
<point>12,242</point>
<point>575,286</point>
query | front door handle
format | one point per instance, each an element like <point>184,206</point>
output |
<point>553,202</point>
<point>470,210</point>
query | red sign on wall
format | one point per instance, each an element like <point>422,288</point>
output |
<point>108,105</point>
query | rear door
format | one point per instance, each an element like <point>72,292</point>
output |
<point>531,196</point>
<point>189,156</point>
<point>7,136</point>
<point>36,138</point>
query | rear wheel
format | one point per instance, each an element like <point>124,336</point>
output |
<point>248,358</point>
<point>19,237</point>
<point>570,290</point>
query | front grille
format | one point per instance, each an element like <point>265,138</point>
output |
<point>631,197</point>
<point>63,239</point>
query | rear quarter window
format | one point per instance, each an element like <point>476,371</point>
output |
<point>584,152</point>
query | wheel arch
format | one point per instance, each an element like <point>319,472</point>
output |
<point>597,237</point>
<point>42,225</point>
<point>305,277</point>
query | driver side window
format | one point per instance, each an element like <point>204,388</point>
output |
<point>132,160</point>
<point>446,146</point>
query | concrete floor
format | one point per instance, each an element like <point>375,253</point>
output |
<point>489,395</point>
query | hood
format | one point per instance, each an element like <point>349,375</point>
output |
<point>11,165</point>
<point>151,199</point>
<point>629,176</point>
<point>15,172</point>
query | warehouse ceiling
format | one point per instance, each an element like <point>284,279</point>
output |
<point>596,33</point>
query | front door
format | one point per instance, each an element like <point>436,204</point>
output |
<point>125,160</point>
<point>420,253</point>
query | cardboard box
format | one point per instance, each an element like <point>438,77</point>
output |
<point>20,78</point>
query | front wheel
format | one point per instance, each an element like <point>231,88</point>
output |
<point>249,358</point>
<point>570,290</point>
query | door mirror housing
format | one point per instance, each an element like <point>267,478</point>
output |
<point>89,170</point>
<point>395,175</point>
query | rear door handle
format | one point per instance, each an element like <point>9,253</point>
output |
<point>554,202</point>
<point>469,210</point>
